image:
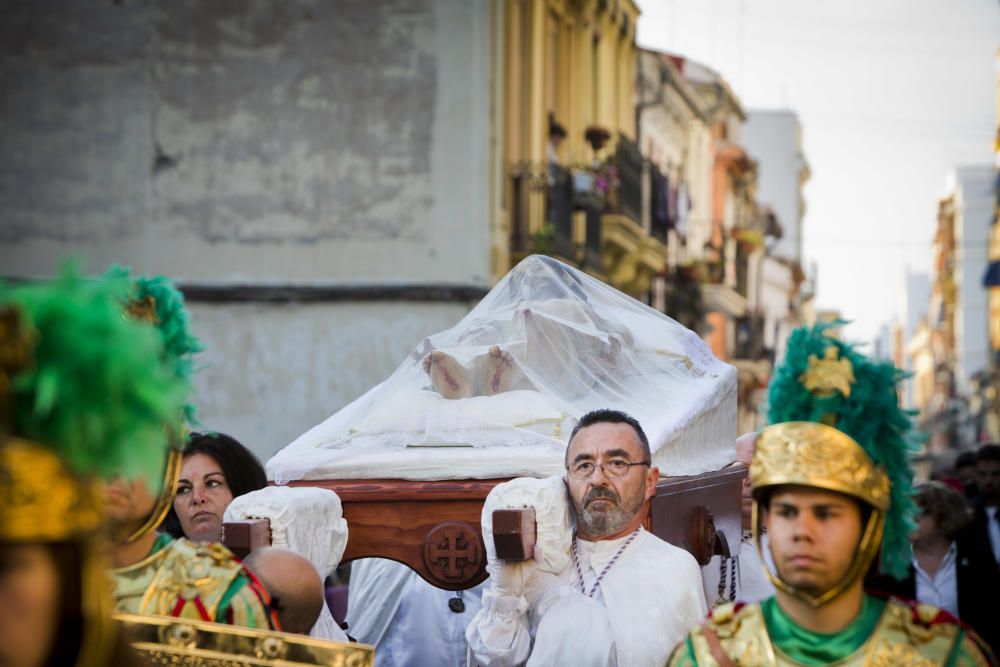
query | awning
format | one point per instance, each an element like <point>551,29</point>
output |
<point>992,276</point>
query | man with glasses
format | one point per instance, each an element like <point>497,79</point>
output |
<point>626,596</point>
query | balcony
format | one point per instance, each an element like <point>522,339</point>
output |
<point>749,342</point>
<point>546,203</point>
<point>659,214</point>
<point>631,255</point>
<point>541,211</point>
<point>627,193</point>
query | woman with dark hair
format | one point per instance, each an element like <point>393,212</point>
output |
<point>948,569</point>
<point>216,468</point>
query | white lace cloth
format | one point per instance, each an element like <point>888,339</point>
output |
<point>307,520</point>
<point>569,344</point>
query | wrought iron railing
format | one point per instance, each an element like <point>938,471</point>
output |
<point>541,207</point>
<point>628,193</point>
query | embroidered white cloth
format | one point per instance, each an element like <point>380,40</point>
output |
<point>497,394</point>
<point>643,607</point>
<point>307,520</point>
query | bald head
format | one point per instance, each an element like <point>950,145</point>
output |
<point>294,584</point>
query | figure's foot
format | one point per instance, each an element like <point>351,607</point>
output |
<point>448,376</point>
<point>502,371</point>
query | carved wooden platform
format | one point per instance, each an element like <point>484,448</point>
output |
<point>434,527</point>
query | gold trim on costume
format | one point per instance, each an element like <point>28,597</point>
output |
<point>172,641</point>
<point>41,500</point>
<point>171,473</point>
<point>190,570</point>
<point>898,639</point>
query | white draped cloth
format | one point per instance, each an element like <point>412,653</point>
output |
<point>307,520</point>
<point>498,394</point>
<point>643,607</point>
<point>405,618</point>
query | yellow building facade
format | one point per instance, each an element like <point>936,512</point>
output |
<point>572,64</point>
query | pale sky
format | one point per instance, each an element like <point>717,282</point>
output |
<point>891,94</point>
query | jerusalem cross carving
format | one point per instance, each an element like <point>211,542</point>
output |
<point>452,551</point>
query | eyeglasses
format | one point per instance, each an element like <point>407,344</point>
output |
<point>612,468</point>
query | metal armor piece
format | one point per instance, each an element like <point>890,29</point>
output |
<point>819,456</point>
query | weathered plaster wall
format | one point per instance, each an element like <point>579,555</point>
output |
<point>233,141</point>
<point>270,372</point>
<point>263,142</point>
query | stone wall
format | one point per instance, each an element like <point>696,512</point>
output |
<point>259,143</point>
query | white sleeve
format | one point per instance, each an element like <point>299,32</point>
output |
<point>499,635</point>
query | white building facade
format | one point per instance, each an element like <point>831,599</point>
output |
<point>974,202</point>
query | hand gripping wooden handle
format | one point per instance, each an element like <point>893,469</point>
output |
<point>514,533</point>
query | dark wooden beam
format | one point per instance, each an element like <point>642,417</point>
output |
<point>292,293</point>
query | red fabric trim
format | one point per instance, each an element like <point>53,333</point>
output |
<point>178,607</point>
<point>200,606</point>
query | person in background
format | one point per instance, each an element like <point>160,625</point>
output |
<point>948,571</point>
<point>986,520</point>
<point>64,349</point>
<point>741,577</point>
<point>294,584</point>
<point>557,134</point>
<point>965,470</point>
<point>216,468</point>
<point>154,573</point>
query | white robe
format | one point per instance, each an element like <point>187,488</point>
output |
<point>752,584</point>
<point>643,607</point>
<point>405,618</point>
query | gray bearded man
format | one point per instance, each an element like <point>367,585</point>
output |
<point>610,593</point>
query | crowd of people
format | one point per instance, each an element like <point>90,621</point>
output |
<point>843,560</point>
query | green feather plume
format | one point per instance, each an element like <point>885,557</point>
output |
<point>96,388</point>
<point>179,344</point>
<point>870,414</point>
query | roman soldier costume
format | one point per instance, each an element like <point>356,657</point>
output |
<point>836,426</point>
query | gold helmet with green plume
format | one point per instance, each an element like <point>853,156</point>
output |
<point>154,301</point>
<point>85,394</point>
<point>836,424</point>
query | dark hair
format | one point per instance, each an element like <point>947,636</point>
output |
<point>967,458</point>
<point>242,469</point>
<point>557,131</point>
<point>988,452</point>
<point>607,416</point>
<point>945,505</point>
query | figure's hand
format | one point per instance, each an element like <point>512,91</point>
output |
<point>507,578</point>
<point>514,577</point>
